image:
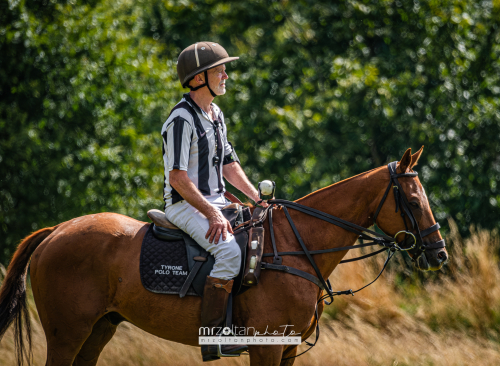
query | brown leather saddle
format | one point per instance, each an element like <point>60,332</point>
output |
<point>250,241</point>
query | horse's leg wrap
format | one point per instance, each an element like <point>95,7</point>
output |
<point>213,313</point>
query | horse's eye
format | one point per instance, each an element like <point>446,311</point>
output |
<point>414,205</point>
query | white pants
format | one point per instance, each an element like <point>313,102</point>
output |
<point>227,252</point>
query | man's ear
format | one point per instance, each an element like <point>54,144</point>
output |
<point>198,79</point>
<point>405,163</point>
<point>415,157</point>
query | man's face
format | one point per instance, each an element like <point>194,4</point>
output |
<point>217,79</point>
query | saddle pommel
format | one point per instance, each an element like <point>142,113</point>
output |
<point>159,219</point>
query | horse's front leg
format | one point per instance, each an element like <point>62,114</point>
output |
<point>290,351</point>
<point>265,355</point>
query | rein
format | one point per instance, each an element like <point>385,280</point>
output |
<point>413,241</point>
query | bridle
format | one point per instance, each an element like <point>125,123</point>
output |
<point>412,242</point>
<point>415,245</point>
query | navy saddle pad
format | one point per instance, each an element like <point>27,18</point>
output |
<point>167,258</point>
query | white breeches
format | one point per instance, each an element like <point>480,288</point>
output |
<point>227,253</point>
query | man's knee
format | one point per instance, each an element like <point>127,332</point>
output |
<point>232,251</point>
<point>227,259</point>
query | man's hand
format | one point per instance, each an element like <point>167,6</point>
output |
<point>186,188</point>
<point>264,204</point>
<point>217,225</point>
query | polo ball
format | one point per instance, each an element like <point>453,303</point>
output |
<point>266,187</point>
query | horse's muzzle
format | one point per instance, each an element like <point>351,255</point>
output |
<point>432,259</point>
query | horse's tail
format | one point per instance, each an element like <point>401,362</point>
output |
<point>13,304</point>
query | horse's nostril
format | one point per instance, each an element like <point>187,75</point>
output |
<point>442,256</point>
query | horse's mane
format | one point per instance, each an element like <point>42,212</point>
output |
<point>331,186</point>
<point>342,182</point>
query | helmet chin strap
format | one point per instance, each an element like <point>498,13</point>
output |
<point>202,85</point>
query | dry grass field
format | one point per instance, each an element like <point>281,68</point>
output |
<point>406,318</point>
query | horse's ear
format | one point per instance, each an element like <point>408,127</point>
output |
<point>415,157</point>
<point>405,162</point>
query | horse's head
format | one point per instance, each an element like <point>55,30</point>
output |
<point>408,215</point>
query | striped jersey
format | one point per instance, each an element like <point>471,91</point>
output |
<point>195,143</point>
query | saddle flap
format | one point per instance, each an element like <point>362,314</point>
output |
<point>159,219</point>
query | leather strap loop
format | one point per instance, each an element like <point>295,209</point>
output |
<point>430,230</point>
<point>437,245</point>
<point>227,287</point>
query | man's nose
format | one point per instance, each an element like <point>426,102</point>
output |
<point>224,76</point>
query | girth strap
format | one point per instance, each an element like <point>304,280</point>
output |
<point>192,275</point>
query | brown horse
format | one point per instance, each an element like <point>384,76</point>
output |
<point>85,274</point>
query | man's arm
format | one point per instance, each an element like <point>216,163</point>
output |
<point>237,177</point>
<point>186,188</point>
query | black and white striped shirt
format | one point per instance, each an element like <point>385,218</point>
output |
<point>190,143</point>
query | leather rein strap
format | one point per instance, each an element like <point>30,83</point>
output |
<point>376,239</point>
<point>373,237</point>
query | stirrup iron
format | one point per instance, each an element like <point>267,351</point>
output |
<point>220,354</point>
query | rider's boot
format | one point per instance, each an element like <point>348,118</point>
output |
<point>213,314</point>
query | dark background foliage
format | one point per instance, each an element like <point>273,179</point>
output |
<point>322,91</point>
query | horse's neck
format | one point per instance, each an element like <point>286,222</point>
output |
<point>353,200</point>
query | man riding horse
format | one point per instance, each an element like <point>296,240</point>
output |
<point>197,156</point>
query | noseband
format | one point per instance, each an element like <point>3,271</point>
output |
<point>413,238</point>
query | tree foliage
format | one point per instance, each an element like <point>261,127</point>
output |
<point>82,93</point>
<point>322,91</point>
